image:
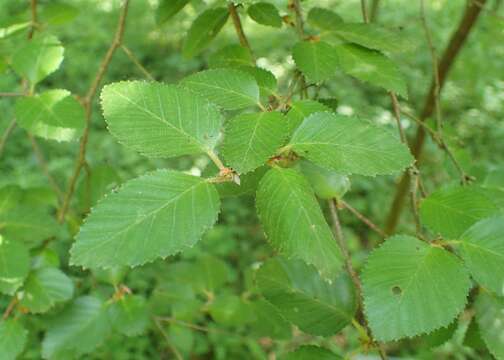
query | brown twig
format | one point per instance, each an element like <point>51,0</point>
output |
<point>88,100</point>
<point>435,69</point>
<point>239,28</point>
<point>33,25</point>
<point>137,63</point>
<point>442,145</point>
<point>363,218</point>
<point>457,39</point>
<point>412,170</point>
<point>333,207</point>
<point>10,307</point>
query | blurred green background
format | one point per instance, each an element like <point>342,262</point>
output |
<point>209,290</point>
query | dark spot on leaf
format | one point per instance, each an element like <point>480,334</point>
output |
<point>396,290</point>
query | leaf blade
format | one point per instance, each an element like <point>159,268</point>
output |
<point>228,88</point>
<point>411,288</point>
<point>251,139</point>
<point>290,214</point>
<point>129,227</point>
<point>171,121</point>
<point>349,145</point>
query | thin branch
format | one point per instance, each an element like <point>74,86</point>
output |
<point>365,16</point>
<point>172,348</point>
<point>6,135</point>
<point>238,27</point>
<point>44,167</point>
<point>296,5</point>
<point>442,145</point>
<point>10,307</point>
<point>435,69</point>
<point>412,170</point>
<point>396,109</point>
<point>299,23</point>
<point>333,207</point>
<point>88,100</point>
<point>138,64</point>
<point>216,160</point>
<point>455,44</point>
<point>362,218</point>
<point>33,25</point>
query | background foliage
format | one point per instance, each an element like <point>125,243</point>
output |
<point>229,297</point>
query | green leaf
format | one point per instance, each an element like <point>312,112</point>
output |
<point>293,222</point>
<point>44,288</point>
<point>482,249</point>
<point>129,315</point>
<point>373,36</point>
<point>38,58</point>
<point>54,114</point>
<point>490,318</point>
<point>95,185</point>
<point>10,196</point>
<point>411,288</point>
<point>452,210</point>
<point>349,145</point>
<point>203,30</point>
<point>153,216</point>
<point>231,56</point>
<point>311,352</point>
<point>251,139</point>
<point>230,89</point>
<point>266,81</point>
<point>265,14</point>
<point>14,265</point>
<point>168,8</point>
<point>327,184</point>
<point>13,29</point>
<point>371,66</point>
<point>58,13</point>
<point>160,120</point>
<point>301,109</point>
<point>230,310</point>
<point>28,224</point>
<point>12,339</point>
<point>324,19</point>
<point>207,274</point>
<point>303,297</point>
<point>317,60</point>
<point>78,330</point>
<point>269,322</point>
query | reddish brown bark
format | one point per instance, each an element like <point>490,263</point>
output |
<point>472,11</point>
